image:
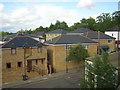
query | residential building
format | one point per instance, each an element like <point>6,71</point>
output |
<point>106,42</point>
<point>20,34</point>
<point>114,32</point>
<point>41,36</point>
<point>55,33</point>
<point>23,55</point>
<point>58,49</point>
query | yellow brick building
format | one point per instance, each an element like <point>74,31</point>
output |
<point>23,55</point>
<point>58,52</point>
<point>106,42</point>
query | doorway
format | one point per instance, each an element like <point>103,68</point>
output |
<point>29,65</point>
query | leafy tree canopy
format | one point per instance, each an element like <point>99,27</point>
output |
<point>101,74</point>
<point>77,53</point>
<point>103,22</point>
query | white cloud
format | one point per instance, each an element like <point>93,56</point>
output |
<point>34,16</point>
<point>38,0</point>
<point>86,4</point>
<point>1,7</point>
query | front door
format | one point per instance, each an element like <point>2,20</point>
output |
<point>29,64</point>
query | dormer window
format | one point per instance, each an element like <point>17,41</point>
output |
<point>13,51</point>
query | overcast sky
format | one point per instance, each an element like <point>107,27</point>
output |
<point>30,14</point>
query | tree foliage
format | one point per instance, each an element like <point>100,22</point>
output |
<point>101,74</point>
<point>103,22</point>
<point>77,53</point>
<point>3,34</point>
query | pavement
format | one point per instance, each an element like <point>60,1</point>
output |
<point>43,78</point>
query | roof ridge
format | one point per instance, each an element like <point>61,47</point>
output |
<point>8,41</point>
<point>57,39</point>
<point>22,36</point>
<point>36,40</point>
<point>88,38</point>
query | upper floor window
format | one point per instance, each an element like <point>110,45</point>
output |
<point>39,49</point>
<point>85,46</point>
<point>67,47</point>
<point>13,51</point>
<point>8,65</point>
<point>109,41</point>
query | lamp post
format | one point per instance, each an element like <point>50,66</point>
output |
<point>25,57</point>
<point>66,59</point>
<point>98,42</point>
<point>24,76</point>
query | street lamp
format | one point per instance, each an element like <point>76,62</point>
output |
<point>66,59</point>
<point>98,42</point>
<point>25,46</point>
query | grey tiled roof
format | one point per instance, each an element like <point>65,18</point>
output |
<point>94,35</point>
<point>70,39</point>
<point>21,41</point>
<point>41,33</point>
<point>13,35</point>
<point>58,31</point>
<point>81,31</point>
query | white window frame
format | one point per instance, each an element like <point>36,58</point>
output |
<point>13,51</point>
<point>85,46</point>
<point>39,49</point>
<point>109,41</point>
<point>67,47</point>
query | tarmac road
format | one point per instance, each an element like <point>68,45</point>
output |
<point>69,81</point>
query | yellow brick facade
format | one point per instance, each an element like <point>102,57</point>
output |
<point>58,56</point>
<point>15,73</point>
<point>105,42</point>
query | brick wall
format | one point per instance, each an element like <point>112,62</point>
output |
<point>111,45</point>
<point>58,56</point>
<point>14,73</point>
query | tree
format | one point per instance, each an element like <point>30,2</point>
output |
<point>91,23</point>
<point>3,34</point>
<point>77,54</point>
<point>103,22</point>
<point>116,18</point>
<point>100,74</point>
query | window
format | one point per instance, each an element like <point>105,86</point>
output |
<point>67,47</point>
<point>39,49</point>
<point>13,51</point>
<point>109,41</point>
<point>109,50</point>
<point>85,46</point>
<point>8,65</point>
<point>19,64</point>
<point>36,62</point>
